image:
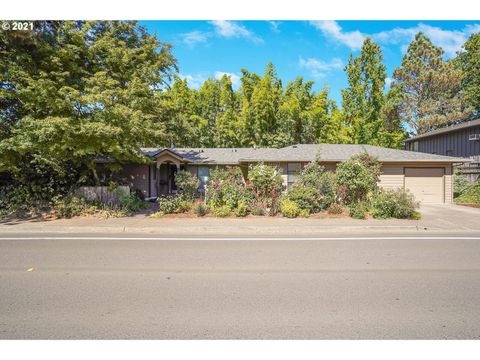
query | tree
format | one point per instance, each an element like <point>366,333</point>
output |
<point>469,61</point>
<point>77,91</point>
<point>430,88</point>
<point>362,101</point>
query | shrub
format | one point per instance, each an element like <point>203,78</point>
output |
<point>470,195</point>
<point>358,210</point>
<point>188,183</point>
<point>227,187</point>
<point>200,209</point>
<point>221,211</point>
<point>303,213</point>
<point>324,182</point>
<point>258,208</point>
<point>335,209</point>
<point>358,176</point>
<point>184,206</point>
<point>242,209</point>
<point>130,202</point>
<point>266,183</point>
<point>69,206</point>
<point>306,197</point>
<point>397,204</point>
<point>289,209</point>
<point>168,204</point>
<point>460,183</point>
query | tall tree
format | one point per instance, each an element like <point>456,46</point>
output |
<point>469,61</point>
<point>430,88</point>
<point>362,101</point>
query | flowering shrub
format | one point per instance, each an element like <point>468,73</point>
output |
<point>188,183</point>
<point>266,183</point>
<point>393,203</point>
<point>289,208</point>
<point>227,188</point>
<point>358,177</point>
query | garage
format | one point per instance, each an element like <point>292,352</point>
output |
<point>426,184</point>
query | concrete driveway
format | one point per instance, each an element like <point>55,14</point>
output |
<point>451,217</point>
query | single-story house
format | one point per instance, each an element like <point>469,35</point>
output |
<point>427,176</point>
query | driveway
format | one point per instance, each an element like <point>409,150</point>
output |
<point>451,217</point>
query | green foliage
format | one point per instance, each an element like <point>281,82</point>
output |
<point>69,206</point>
<point>184,206</point>
<point>335,209</point>
<point>324,182</point>
<point>460,183</point>
<point>358,210</point>
<point>397,204</point>
<point>266,183</point>
<point>242,209</point>
<point>227,188</point>
<point>188,183</point>
<point>469,63</point>
<point>130,202</point>
<point>304,213</point>
<point>222,211</point>
<point>168,204</point>
<point>358,176</point>
<point>200,209</point>
<point>289,208</point>
<point>430,88</point>
<point>305,197</point>
<point>470,196</point>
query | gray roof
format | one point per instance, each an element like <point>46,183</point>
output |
<point>300,153</point>
<point>446,130</point>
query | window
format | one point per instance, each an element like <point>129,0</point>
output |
<point>293,170</point>
<point>203,174</point>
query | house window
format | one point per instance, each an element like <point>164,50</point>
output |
<point>203,174</point>
<point>293,169</point>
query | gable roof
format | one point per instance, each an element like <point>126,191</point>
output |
<point>298,153</point>
<point>445,130</point>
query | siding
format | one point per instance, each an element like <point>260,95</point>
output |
<point>136,176</point>
<point>392,177</point>
<point>453,143</point>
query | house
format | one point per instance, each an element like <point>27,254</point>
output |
<point>427,176</point>
<point>461,140</point>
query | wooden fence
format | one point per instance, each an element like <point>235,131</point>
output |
<point>102,194</point>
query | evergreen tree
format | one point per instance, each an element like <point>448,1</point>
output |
<point>469,61</point>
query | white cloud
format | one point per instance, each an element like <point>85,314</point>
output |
<point>450,41</point>
<point>388,81</point>
<point>274,25</point>
<point>230,29</point>
<point>319,68</point>
<point>331,30</point>
<point>194,81</point>
<point>194,37</point>
<point>234,78</point>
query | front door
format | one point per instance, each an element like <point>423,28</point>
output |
<point>172,172</point>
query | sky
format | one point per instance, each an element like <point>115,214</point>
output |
<point>316,50</point>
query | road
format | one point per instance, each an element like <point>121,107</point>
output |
<point>378,288</point>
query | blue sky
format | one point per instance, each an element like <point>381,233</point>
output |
<point>316,50</point>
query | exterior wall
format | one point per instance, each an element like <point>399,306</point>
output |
<point>137,177</point>
<point>392,177</point>
<point>454,143</point>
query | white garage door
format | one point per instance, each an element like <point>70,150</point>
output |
<point>425,184</point>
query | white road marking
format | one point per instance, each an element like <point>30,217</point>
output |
<point>244,238</point>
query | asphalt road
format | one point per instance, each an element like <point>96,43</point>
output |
<point>389,288</point>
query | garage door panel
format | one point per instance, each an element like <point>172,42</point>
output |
<point>426,184</point>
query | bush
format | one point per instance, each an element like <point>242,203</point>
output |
<point>227,188</point>
<point>324,182</point>
<point>130,202</point>
<point>200,209</point>
<point>357,178</point>
<point>470,195</point>
<point>184,206</point>
<point>258,208</point>
<point>266,183</point>
<point>303,213</point>
<point>188,183</point>
<point>306,197</point>
<point>168,204</point>
<point>358,211</point>
<point>222,211</point>
<point>69,206</point>
<point>397,204</point>
<point>335,209</point>
<point>289,208</point>
<point>460,183</point>
<point>242,209</point>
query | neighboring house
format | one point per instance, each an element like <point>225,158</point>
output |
<point>462,140</point>
<point>428,177</point>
